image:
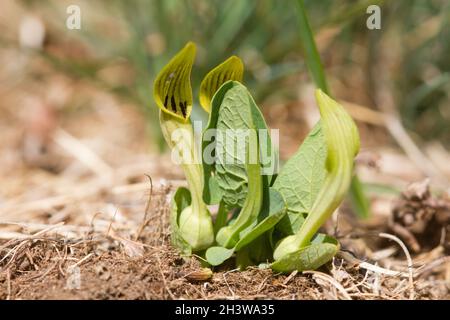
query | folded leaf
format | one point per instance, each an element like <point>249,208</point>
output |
<point>342,139</point>
<point>230,69</point>
<point>300,180</point>
<point>172,88</point>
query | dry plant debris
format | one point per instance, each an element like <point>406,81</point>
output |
<point>102,261</point>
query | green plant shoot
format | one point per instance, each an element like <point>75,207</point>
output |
<point>342,141</point>
<point>192,221</point>
<point>263,216</point>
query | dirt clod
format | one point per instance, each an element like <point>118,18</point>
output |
<point>417,215</point>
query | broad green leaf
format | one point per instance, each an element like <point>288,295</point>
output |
<point>209,149</point>
<point>233,109</point>
<point>306,258</point>
<point>233,122</point>
<point>217,255</point>
<point>342,140</point>
<point>230,69</point>
<point>181,199</point>
<point>172,88</point>
<point>300,180</point>
<point>304,173</point>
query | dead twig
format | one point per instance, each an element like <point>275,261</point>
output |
<point>82,153</point>
<point>371,267</point>
<point>408,257</point>
<point>331,280</point>
<point>8,284</point>
<point>164,278</point>
<point>146,221</point>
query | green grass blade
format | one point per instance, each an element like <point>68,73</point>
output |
<point>312,56</point>
<point>314,63</point>
<point>359,200</point>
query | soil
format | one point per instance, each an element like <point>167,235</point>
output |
<point>112,265</point>
<point>156,275</point>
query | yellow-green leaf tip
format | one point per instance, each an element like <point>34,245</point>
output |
<point>172,88</point>
<point>230,69</point>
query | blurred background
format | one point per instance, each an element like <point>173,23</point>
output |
<point>76,106</point>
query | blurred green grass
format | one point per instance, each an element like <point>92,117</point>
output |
<point>145,33</point>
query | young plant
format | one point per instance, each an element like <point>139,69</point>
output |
<point>262,217</point>
<point>298,251</point>
<point>191,222</point>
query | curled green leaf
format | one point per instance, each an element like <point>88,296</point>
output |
<point>301,179</point>
<point>342,140</point>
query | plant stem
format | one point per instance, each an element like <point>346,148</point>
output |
<point>195,222</point>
